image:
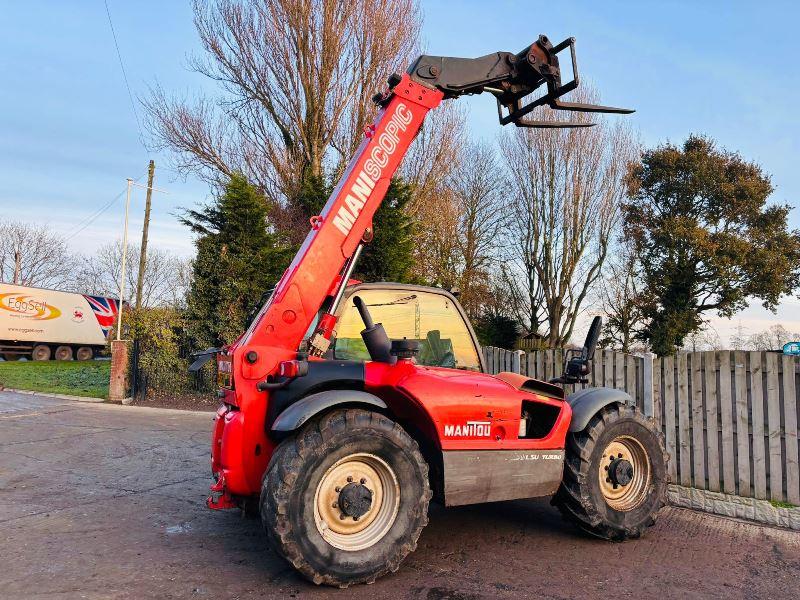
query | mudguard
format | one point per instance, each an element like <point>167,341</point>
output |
<point>304,409</point>
<point>587,402</point>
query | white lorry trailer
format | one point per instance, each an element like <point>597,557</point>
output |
<point>41,324</point>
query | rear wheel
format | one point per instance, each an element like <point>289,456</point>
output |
<point>63,353</point>
<point>10,357</point>
<point>41,352</point>
<point>345,500</point>
<point>85,353</point>
<point>615,475</point>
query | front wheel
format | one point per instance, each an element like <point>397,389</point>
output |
<point>346,499</point>
<point>615,475</point>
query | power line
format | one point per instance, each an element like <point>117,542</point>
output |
<point>125,76</point>
<point>81,225</point>
<point>91,219</point>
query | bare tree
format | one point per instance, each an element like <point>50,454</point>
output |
<point>705,338</point>
<point>296,77</point>
<point>436,248</point>
<point>566,187</point>
<point>434,155</point>
<point>166,277</point>
<point>619,296</point>
<point>44,256</point>
<point>516,274</point>
<point>477,187</point>
<point>740,340</point>
<point>430,166</point>
<point>772,338</point>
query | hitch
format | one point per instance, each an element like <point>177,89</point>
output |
<point>510,78</point>
<point>220,499</point>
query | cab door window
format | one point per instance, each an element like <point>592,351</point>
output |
<point>432,319</point>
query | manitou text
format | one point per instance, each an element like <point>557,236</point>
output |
<point>470,429</point>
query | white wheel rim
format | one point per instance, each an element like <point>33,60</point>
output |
<point>626,497</point>
<point>348,533</point>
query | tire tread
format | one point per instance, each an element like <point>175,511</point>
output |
<point>573,498</point>
<point>287,460</point>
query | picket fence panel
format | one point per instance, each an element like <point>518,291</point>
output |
<point>729,418</point>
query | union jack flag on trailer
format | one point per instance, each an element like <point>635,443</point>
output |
<point>105,311</point>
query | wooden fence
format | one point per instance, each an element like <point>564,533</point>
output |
<point>729,418</point>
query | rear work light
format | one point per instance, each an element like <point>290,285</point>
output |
<point>293,368</point>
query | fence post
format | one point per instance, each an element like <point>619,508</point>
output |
<point>487,357</point>
<point>516,361</point>
<point>647,385</point>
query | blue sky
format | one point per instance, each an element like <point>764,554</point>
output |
<point>68,136</point>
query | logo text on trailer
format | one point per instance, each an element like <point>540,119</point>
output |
<point>24,306</point>
<point>470,429</point>
<point>383,149</point>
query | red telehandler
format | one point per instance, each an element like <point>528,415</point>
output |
<point>346,406</point>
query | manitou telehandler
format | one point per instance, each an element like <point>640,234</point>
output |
<point>346,406</point>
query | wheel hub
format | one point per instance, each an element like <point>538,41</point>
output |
<point>620,471</point>
<point>625,473</point>
<point>355,500</point>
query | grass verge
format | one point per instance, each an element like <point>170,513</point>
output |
<point>89,378</point>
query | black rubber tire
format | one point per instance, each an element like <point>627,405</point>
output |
<point>84,353</point>
<point>63,353</point>
<point>580,498</point>
<point>296,468</point>
<point>41,352</point>
<point>11,357</point>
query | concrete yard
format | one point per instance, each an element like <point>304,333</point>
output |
<point>103,501</point>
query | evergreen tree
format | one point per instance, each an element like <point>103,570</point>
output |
<point>239,258</point>
<point>497,330</point>
<point>389,256</point>
<point>706,239</point>
<point>312,196</point>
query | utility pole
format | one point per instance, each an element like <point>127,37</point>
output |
<point>131,183</point>
<point>17,266</point>
<point>143,252</point>
<point>124,259</point>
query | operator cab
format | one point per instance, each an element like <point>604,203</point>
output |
<point>431,316</point>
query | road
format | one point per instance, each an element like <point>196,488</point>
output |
<point>100,501</point>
